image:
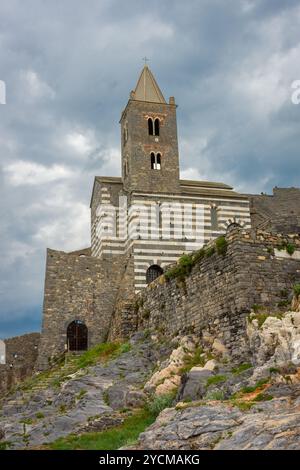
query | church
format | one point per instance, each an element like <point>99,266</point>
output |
<point>141,222</point>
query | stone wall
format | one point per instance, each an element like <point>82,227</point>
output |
<point>221,289</point>
<point>77,287</point>
<point>279,212</point>
<point>21,355</point>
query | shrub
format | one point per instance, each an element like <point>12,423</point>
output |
<point>290,248</point>
<point>40,415</point>
<point>296,289</point>
<point>221,245</point>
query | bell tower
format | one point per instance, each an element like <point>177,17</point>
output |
<point>150,161</point>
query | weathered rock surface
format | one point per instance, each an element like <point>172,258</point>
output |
<point>277,341</point>
<point>269,425</point>
<point>168,377</point>
<point>88,400</point>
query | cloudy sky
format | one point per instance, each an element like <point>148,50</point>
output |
<point>69,66</point>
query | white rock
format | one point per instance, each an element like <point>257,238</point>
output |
<point>211,365</point>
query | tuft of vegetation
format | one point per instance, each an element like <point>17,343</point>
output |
<point>210,251</point>
<point>215,379</point>
<point>199,255</point>
<point>110,439</point>
<point>261,317</point>
<point>258,384</point>
<point>296,289</point>
<point>241,368</point>
<point>221,245</point>
<point>159,403</point>
<point>62,409</point>
<point>263,397</point>
<point>187,261</point>
<point>192,360</point>
<point>102,353</point>
<point>81,394</point>
<point>39,415</point>
<point>274,370</point>
<point>5,445</point>
<point>256,308</point>
<point>216,395</point>
<point>182,269</point>
<point>288,247</point>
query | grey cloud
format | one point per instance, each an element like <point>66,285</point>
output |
<point>69,67</point>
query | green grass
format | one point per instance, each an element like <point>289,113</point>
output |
<point>39,415</point>
<point>216,379</point>
<point>159,403</point>
<point>217,395</point>
<point>102,352</point>
<point>241,368</point>
<point>57,374</point>
<point>111,439</point>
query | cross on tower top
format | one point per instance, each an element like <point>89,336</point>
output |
<point>145,59</point>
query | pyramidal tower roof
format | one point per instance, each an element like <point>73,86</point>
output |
<point>147,89</point>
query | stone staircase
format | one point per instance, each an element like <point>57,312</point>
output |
<point>56,375</point>
<point>42,382</point>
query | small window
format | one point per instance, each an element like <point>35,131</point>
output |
<point>153,272</point>
<point>155,161</point>
<point>150,126</point>
<point>125,132</point>
<point>156,126</point>
<point>214,218</point>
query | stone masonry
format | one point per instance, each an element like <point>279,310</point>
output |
<point>77,287</point>
<point>21,355</point>
<point>220,291</point>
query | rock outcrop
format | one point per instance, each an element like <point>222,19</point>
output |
<point>269,425</point>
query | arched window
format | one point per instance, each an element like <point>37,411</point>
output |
<point>150,126</point>
<point>158,161</point>
<point>77,336</point>
<point>214,218</point>
<point>155,161</point>
<point>156,126</point>
<point>153,272</point>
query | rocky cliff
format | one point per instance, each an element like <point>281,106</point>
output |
<point>157,392</point>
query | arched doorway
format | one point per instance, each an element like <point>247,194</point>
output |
<point>153,272</point>
<point>77,336</point>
